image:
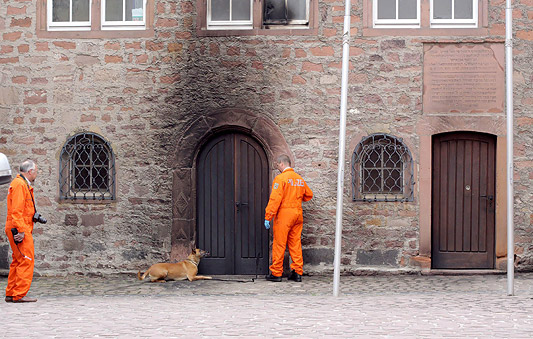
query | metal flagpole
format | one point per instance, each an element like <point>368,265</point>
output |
<point>342,145</point>
<point>509,105</point>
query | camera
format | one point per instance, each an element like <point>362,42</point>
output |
<point>15,232</point>
<point>37,217</point>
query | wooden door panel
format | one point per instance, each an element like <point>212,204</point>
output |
<point>457,231</point>
<point>251,190</point>
<point>462,213</point>
<point>216,218</point>
<point>487,157</point>
<point>232,192</point>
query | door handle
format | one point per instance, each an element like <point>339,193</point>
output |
<point>239,204</point>
<point>489,197</point>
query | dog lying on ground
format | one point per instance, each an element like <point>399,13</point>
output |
<point>185,269</point>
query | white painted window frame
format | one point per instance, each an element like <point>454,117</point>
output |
<point>455,23</point>
<point>235,24</point>
<point>67,26</point>
<point>395,23</point>
<point>122,25</point>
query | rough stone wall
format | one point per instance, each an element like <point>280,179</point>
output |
<point>140,94</point>
<point>523,122</point>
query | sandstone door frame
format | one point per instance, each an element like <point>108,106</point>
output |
<point>431,125</point>
<point>198,131</point>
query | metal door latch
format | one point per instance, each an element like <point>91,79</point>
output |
<point>489,197</point>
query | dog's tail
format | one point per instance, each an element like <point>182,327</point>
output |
<point>143,276</point>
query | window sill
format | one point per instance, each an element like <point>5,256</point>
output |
<point>381,197</point>
<point>425,31</point>
<point>257,31</point>
<point>105,34</point>
<point>87,202</point>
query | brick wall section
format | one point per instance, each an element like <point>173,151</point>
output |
<point>140,94</point>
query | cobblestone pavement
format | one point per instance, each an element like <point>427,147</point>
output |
<point>391,306</point>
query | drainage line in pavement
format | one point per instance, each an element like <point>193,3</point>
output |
<point>231,280</point>
<point>244,281</point>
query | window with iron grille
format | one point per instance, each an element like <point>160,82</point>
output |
<point>87,169</point>
<point>382,170</point>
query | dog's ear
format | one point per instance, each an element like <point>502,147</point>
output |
<point>193,248</point>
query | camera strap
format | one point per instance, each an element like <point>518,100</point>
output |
<point>23,255</point>
<point>29,190</point>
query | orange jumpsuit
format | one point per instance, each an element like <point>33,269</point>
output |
<point>285,203</point>
<point>20,211</point>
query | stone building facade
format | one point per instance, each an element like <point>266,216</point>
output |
<point>158,96</point>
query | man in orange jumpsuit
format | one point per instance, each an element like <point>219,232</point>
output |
<point>285,204</point>
<point>20,213</point>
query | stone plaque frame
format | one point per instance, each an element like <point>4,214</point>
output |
<point>464,78</point>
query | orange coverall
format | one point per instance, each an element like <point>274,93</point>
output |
<point>285,203</point>
<point>20,211</point>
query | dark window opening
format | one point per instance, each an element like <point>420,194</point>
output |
<point>283,12</point>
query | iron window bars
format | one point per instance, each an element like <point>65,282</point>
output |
<point>382,170</point>
<point>87,169</point>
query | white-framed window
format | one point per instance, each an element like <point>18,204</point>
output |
<point>123,14</point>
<point>240,14</point>
<point>229,14</point>
<point>454,13</point>
<point>94,19</point>
<point>69,15</point>
<point>396,13</point>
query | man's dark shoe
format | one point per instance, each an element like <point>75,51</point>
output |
<point>25,299</point>
<point>295,276</point>
<point>9,299</point>
<point>271,277</point>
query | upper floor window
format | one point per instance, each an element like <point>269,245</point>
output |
<point>229,14</point>
<point>69,15</point>
<point>247,16</point>
<point>393,13</point>
<point>123,14</point>
<point>443,13</point>
<point>87,169</point>
<point>115,14</point>
<point>425,17</point>
<point>286,12</point>
<point>94,18</point>
<point>382,170</point>
<point>238,14</point>
<point>455,13</point>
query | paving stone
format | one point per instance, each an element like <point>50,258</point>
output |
<point>398,306</point>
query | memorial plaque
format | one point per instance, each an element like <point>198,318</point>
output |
<point>464,78</point>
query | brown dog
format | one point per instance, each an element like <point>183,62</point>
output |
<point>186,269</point>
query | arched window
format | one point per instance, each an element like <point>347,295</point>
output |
<point>87,169</point>
<point>382,170</point>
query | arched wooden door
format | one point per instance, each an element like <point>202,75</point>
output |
<point>232,193</point>
<point>463,200</point>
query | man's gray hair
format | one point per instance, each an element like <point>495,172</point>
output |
<point>27,165</point>
<point>283,158</point>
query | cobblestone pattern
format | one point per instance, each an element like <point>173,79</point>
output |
<point>140,94</point>
<point>379,306</point>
